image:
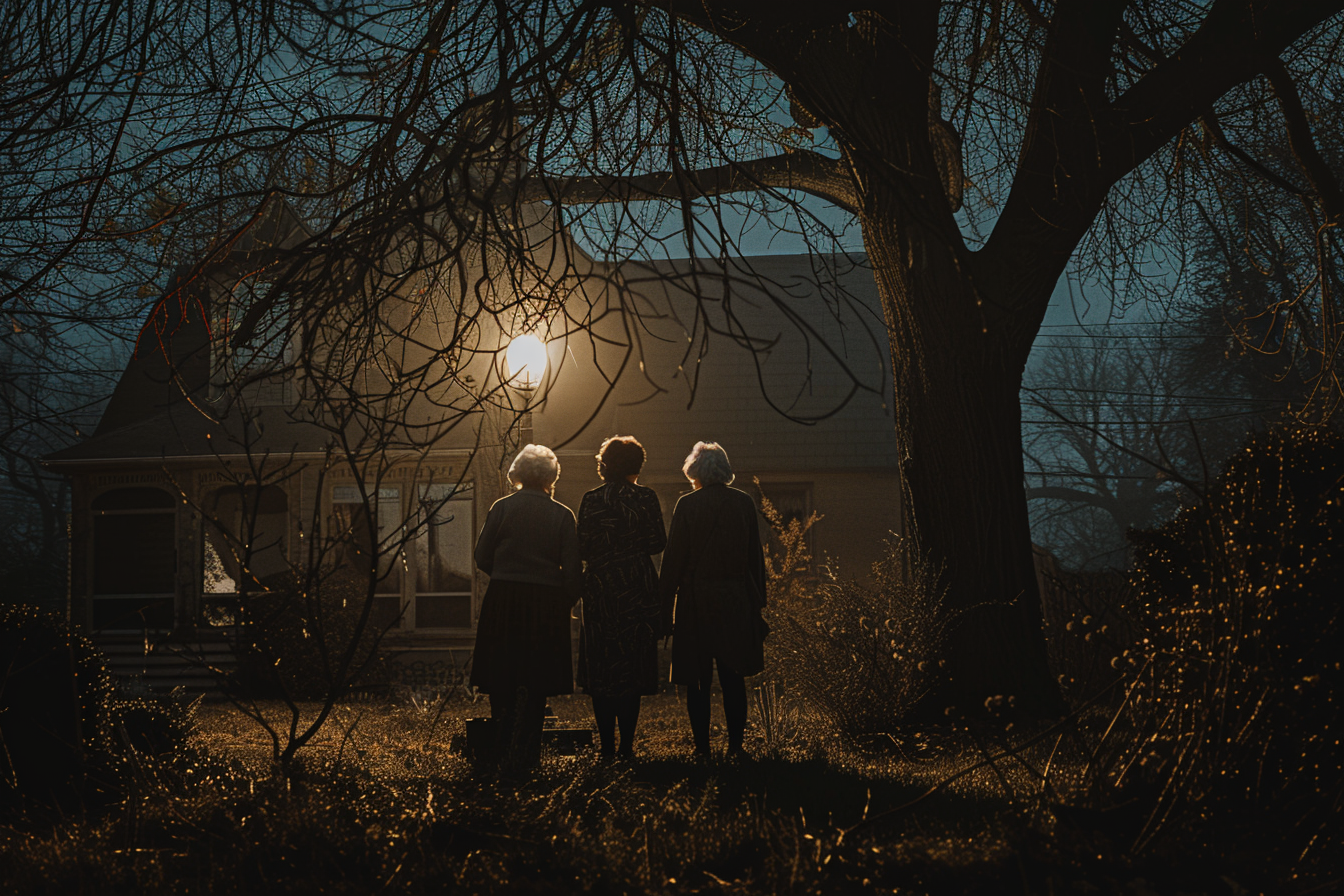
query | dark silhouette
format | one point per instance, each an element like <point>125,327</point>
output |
<point>620,529</point>
<point>529,547</point>
<point>712,588</point>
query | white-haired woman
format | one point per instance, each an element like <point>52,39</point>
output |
<point>712,586</point>
<point>529,547</point>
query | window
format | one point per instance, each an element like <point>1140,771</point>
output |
<point>351,526</point>
<point>134,559</point>
<point>252,343</point>
<point>443,558</point>
<point>244,543</point>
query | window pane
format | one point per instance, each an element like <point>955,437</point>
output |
<point>350,521</point>
<point>443,611</point>
<point>245,528</point>
<point>443,545</point>
<point>219,566</point>
<point>252,328</point>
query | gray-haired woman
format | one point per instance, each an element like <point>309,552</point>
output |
<point>529,547</point>
<point>712,587</point>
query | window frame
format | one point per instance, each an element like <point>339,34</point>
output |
<point>462,493</point>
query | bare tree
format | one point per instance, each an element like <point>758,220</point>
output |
<point>980,146</point>
<point>1120,431</point>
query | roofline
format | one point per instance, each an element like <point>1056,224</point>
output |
<point>49,463</point>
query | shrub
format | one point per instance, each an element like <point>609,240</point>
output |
<point>292,641</point>
<point>1233,719</point>
<point>1087,622</point>
<point>55,693</point>
<point>861,656</point>
<point>154,726</point>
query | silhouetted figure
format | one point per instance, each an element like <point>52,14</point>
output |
<point>529,547</point>
<point>620,529</point>
<point>712,589</point>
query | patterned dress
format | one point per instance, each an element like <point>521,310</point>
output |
<point>620,529</point>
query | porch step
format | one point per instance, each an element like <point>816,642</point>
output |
<point>168,662</point>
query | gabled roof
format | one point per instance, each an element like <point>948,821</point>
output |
<point>803,382</point>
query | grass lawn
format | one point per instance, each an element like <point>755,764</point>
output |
<point>383,802</point>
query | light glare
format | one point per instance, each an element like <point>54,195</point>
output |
<point>525,361</point>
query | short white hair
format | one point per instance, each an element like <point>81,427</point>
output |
<point>536,466</point>
<point>708,464</point>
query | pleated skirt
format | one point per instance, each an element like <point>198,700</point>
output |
<point>522,640</point>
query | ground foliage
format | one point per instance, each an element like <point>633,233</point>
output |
<point>383,803</point>
<point>1230,720</point>
<point>1204,759</point>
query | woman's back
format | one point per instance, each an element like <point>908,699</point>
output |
<point>716,536</point>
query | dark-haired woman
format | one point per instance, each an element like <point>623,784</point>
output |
<point>620,529</point>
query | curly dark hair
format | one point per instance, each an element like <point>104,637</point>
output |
<point>619,457</point>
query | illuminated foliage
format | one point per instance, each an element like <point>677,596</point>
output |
<point>1232,719</point>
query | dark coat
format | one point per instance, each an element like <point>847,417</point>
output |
<point>530,549</point>
<point>712,584</point>
<point>620,529</point>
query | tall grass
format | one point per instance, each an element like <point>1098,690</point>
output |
<point>364,819</point>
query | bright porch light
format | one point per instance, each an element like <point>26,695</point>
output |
<point>525,361</point>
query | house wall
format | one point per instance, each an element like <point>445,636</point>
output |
<point>784,360</point>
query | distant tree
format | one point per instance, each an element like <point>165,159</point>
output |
<point>980,146</point>
<point>1121,431</point>
<point>53,383</point>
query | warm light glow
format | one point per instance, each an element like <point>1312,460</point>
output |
<point>525,362</point>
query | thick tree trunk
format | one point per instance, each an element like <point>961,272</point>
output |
<point>958,357</point>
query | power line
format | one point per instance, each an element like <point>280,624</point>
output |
<point>1169,395</point>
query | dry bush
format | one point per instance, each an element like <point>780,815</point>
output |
<point>55,703</point>
<point>1231,719</point>
<point>860,656</point>
<point>68,739</point>
<point>294,641</point>
<point>1088,624</point>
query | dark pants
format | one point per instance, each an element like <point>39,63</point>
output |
<point>518,722</point>
<point>734,708</point>
<point>610,710</point>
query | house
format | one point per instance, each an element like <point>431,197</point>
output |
<point>259,438</point>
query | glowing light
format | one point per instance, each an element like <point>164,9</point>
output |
<point>525,361</point>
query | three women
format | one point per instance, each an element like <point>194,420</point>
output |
<point>709,597</point>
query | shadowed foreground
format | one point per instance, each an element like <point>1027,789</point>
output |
<point>383,803</point>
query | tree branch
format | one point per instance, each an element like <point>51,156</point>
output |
<point>1087,147</point>
<point>1073,495</point>
<point>1301,141</point>
<point>806,171</point>
<point>1224,51</point>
